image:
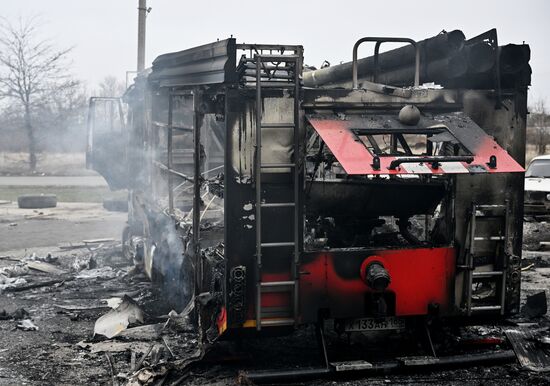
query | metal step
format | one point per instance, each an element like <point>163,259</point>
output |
<point>277,125</point>
<point>276,166</point>
<point>277,322</point>
<point>486,274</point>
<point>278,205</point>
<point>277,286</point>
<point>488,207</point>
<point>279,244</point>
<point>265,284</point>
<point>491,238</point>
<point>486,308</point>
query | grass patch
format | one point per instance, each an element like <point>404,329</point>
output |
<point>64,193</point>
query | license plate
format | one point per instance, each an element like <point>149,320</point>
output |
<point>374,324</point>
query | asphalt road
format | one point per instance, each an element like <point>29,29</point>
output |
<point>52,181</point>
<point>25,229</point>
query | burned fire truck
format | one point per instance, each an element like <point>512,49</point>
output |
<point>272,195</point>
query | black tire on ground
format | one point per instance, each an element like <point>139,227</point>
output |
<point>116,205</point>
<point>37,201</point>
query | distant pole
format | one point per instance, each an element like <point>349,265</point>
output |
<point>142,15</point>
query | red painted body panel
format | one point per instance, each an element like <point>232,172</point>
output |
<point>419,277</point>
<point>355,158</point>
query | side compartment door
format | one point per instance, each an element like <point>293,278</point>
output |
<point>107,148</point>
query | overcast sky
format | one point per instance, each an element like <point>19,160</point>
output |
<point>104,32</point>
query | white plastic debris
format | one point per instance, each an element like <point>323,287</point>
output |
<point>113,302</point>
<point>14,270</point>
<point>11,282</point>
<point>118,319</point>
<point>27,325</point>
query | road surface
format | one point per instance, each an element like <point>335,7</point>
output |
<point>52,181</point>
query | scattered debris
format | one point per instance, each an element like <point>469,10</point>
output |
<point>118,319</point>
<point>71,246</point>
<point>527,268</point>
<point>97,273</point>
<point>15,270</point>
<point>114,346</point>
<point>535,305</point>
<point>27,325</point>
<point>45,267</point>
<point>18,314</point>
<point>98,241</point>
<point>46,259</point>
<point>24,286</point>
<point>9,283</point>
<point>529,354</point>
<point>84,262</point>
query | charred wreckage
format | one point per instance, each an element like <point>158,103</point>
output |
<point>373,194</point>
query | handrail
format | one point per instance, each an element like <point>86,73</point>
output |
<point>379,41</point>
<point>435,160</point>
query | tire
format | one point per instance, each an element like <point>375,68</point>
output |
<point>116,205</point>
<point>35,201</point>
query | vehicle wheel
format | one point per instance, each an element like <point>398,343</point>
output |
<point>35,201</point>
<point>116,205</point>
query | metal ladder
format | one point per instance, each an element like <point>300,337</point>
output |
<point>479,213</point>
<point>260,168</point>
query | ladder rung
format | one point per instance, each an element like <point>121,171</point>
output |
<point>277,322</point>
<point>276,245</point>
<point>487,274</point>
<point>491,238</point>
<point>277,205</point>
<point>277,125</point>
<point>490,207</point>
<point>276,166</point>
<point>486,308</point>
<point>269,284</point>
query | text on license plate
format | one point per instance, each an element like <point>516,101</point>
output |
<point>374,324</point>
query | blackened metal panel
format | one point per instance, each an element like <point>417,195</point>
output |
<point>212,63</point>
<point>507,125</point>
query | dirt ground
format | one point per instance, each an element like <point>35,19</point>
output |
<point>65,304</point>
<point>51,164</point>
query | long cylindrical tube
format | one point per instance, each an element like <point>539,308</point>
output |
<point>431,49</point>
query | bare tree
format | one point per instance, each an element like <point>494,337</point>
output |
<point>111,86</point>
<point>32,72</point>
<point>539,120</point>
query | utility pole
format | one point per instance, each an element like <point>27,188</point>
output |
<point>142,15</point>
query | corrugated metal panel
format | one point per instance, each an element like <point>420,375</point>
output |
<point>212,63</point>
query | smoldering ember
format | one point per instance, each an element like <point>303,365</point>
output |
<point>225,212</point>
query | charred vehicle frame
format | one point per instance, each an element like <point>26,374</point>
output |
<point>272,196</point>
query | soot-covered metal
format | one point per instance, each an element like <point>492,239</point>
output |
<point>291,198</point>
